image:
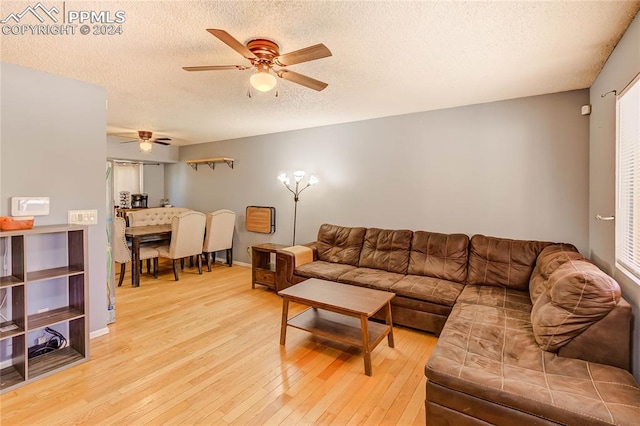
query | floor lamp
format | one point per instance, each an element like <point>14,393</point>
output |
<point>297,177</point>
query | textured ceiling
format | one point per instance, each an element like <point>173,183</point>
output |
<point>389,58</point>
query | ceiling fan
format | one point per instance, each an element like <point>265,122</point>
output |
<point>265,57</point>
<point>144,138</point>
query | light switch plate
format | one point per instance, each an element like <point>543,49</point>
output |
<point>82,217</point>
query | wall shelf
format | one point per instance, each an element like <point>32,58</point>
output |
<point>211,162</point>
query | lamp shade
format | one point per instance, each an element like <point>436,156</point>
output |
<point>263,81</point>
<point>298,175</point>
<point>313,180</point>
<point>284,179</point>
<point>145,146</point>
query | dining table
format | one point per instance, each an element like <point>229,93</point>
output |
<point>143,234</point>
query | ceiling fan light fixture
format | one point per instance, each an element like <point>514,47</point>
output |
<point>263,81</point>
<point>145,146</point>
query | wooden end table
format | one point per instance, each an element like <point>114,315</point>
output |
<point>263,271</point>
<point>339,312</point>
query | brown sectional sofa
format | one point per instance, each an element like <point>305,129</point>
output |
<point>425,270</point>
<point>534,334</point>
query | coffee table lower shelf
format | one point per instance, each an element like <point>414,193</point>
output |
<point>334,326</point>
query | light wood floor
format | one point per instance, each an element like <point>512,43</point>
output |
<point>205,350</point>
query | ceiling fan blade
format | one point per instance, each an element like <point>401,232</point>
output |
<point>159,142</point>
<point>303,80</point>
<point>134,140</point>
<point>162,139</point>
<point>307,54</point>
<point>228,39</point>
<point>216,68</point>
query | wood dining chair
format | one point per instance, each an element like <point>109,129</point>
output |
<point>122,253</point>
<point>187,234</point>
<point>219,235</point>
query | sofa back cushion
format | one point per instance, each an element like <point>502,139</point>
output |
<point>443,256</point>
<point>154,216</point>
<point>577,295</point>
<point>502,262</point>
<point>340,244</point>
<point>550,259</point>
<point>386,249</point>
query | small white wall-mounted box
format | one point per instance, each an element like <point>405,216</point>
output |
<point>586,109</point>
<point>29,206</point>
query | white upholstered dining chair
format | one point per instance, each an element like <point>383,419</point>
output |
<point>219,235</point>
<point>121,252</point>
<point>187,234</point>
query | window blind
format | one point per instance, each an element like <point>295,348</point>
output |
<point>628,179</point>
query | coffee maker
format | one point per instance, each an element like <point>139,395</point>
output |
<point>139,201</point>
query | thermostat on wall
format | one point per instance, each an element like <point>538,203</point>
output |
<point>29,206</point>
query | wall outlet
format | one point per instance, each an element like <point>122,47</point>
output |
<point>82,217</point>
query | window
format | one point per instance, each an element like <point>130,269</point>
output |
<point>126,177</point>
<point>628,180</point>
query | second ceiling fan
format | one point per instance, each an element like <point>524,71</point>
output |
<point>145,141</point>
<point>265,56</point>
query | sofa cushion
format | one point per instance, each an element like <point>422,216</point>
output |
<point>371,278</point>
<point>340,244</point>
<point>550,259</point>
<point>323,270</point>
<point>386,249</point>
<point>499,297</point>
<point>502,262</point>
<point>491,352</point>
<point>439,255</point>
<point>578,295</point>
<point>428,289</point>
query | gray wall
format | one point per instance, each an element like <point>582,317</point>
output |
<point>118,150</point>
<point>53,144</point>
<point>153,174</point>
<point>154,183</point>
<point>620,69</point>
<point>516,169</point>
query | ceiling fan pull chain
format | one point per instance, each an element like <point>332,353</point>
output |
<point>276,93</point>
<point>249,92</point>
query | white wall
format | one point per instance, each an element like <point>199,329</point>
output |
<point>516,169</point>
<point>53,144</point>
<point>619,70</point>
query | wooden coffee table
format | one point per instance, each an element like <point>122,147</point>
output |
<point>339,312</point>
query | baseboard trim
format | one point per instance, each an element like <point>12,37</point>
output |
<point>235,262</point>
<point>99,333</point>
